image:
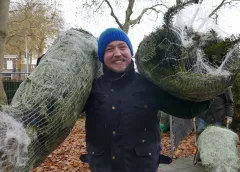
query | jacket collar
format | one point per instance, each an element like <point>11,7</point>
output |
<point>119,78</point>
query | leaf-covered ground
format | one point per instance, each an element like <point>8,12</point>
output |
<point>66,157</point>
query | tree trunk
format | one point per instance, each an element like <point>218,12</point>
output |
<point>126,27</point>
<point>4,7</point>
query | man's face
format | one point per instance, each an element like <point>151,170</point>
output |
<point>117,56</point>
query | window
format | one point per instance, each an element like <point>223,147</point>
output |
<point>9,64</point>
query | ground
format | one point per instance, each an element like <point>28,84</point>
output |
<point>66,157</point>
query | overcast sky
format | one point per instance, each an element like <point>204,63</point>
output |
<point>228,19</point>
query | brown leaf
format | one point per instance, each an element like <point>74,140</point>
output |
<point>66,157</point>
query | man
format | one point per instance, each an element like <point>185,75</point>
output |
<point>122,129</point>
<point>220,109</point>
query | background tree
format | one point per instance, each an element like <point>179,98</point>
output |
<point>4,7</point>
<point>223,3</point>
<point>125,21</point>
<point>128,13</point>
<point>32,23</point>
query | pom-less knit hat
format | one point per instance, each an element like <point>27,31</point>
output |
<point>109,35</point>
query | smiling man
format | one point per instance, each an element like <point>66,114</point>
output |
<point>117,56</point>
<point>122,127</point>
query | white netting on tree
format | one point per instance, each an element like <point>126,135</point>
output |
<point>218,149</point>
<point>48,102</point>
<point>189,56</point>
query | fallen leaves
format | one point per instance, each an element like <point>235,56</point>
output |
<point>66,157</point>
<point>186,148</point>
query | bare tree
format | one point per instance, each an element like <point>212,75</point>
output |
<point>222,4</point>
<point>4,7</point>
<point>113,6</point>
<point>128,20</point>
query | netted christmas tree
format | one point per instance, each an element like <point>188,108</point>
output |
<point>189,56</point>
<point>218,149</point>
<point>47,104</point>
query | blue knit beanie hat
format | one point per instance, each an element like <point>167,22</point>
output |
<point>109,35</point>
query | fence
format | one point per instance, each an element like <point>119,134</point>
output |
<point>20,76</point>
<point>179,130</point>
<point>11,82</point>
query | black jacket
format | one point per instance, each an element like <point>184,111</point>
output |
<point>221,107</point>
<point>122,129</point>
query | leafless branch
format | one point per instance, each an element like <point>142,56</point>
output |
<point>218,7</point>
<point>9,38</point>
<point>113,14</point>
<point>12,11</point>
<point>20,21</point>
<point>137,20</point>
<point>99,6</point>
